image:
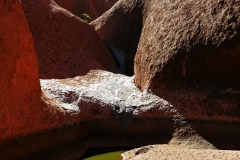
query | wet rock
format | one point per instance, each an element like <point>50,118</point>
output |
<point>66,46</point>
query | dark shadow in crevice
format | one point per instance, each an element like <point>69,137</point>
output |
<point>121,33</point>
<point>119,58</point>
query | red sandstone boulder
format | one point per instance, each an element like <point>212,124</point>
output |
<point>189,41</point>
<point>66,46</point>
<point>94,8</point>
<point>19,81</point>
<point>23,108</point>
<point>99,104</point>
<point>189,54</point>
<point>120,28</point>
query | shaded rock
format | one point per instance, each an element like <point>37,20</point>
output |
<point>120,28</point>
<point>94,8</point>
<point>100,108</point>
<point>189,54</point>
<point>102,95</point>
<point>123,115</point>
<point>66,46</point>
<point>106,110</point>
<point>19,80</point>
<point>181,56</point>
<point>189,42</point>
<point>22,110</point>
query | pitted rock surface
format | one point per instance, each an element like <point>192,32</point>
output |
<point>110,91</point>
<point>196,41</point>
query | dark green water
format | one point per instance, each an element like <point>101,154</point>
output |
<point>107,156</point>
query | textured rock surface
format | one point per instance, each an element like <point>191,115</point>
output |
<point>109,91</point>
<point>19,81</point>
<point>119,113</point>
<point>66,46</point>
<point>196,41</point>
<point>23,111</point>
<point>189,54</point>
<point>181,56</point>
<point>94,8</point>
<point>120,28</point>
<point>103,109</point>
<point>100,108</point>
<point>161,152</point>
<point>102,95</point>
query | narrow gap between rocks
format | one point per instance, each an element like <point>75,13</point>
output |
<point>119,58</point>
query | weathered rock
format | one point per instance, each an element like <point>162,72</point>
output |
<point>23,110</point>
<point>190,62</point>
<point>100,109</point>
<point>120,28</point>
<point>106,96</point>
<point>105,110</point>
<point>66,46</point>
<point>189,42</point>
<point>189,55</point>
<point>173,152</point>
<point>94,8</point>
<point>19,81</point>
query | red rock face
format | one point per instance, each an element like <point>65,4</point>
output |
<point>94,8</point>
<point>19,80</point>
<point>188,41</point>
<point>189,55</point>
<point>23,108</point>
<point>66,46</point>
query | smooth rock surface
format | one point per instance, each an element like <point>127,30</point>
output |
<point>23,110</point>
<point>66,46</point>
<point>19,80</point>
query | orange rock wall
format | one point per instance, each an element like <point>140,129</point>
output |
<point>19,80</point>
